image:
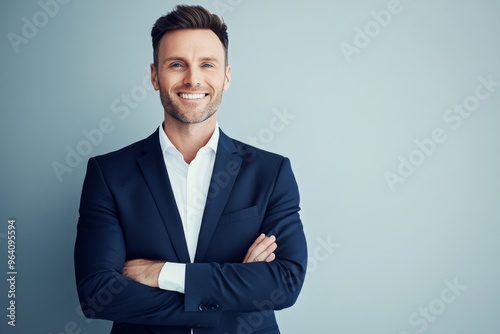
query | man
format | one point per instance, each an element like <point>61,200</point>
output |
<point>189,230</point>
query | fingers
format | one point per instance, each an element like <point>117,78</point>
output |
<point>257,241</point>
<point>271,257</point>
<point>262,250</point>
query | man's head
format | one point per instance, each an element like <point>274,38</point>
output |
<point>188,17</point>
<point>190,63</point>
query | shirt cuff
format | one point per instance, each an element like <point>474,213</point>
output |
<point>172,277</point>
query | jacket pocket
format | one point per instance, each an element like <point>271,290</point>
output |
<point>235,216</point>
<point>271,330</point>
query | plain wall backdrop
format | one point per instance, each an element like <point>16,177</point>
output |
<point>388,110</point>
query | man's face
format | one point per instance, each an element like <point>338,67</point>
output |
<point>191,74</point>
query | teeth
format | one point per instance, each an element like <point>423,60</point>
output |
<point>192,96</point>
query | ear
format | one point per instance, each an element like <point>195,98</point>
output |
<point>227,78</point>
<point>154,77</point>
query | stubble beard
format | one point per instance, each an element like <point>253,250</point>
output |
<point>175,112</point>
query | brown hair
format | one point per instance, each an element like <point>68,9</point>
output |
<point>188,17</point>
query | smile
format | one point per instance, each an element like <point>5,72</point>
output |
<point>192,96</point>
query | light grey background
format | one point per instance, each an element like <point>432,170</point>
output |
<point>381,259</point>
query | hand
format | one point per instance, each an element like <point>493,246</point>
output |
<point>143,271</point>
<point>262,250</point>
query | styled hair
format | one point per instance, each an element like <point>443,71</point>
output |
<point>188,17</point>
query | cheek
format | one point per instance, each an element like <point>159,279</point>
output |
<point>167,85</point>
<point>169,80</point>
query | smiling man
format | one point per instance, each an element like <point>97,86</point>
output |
<point>192,73</point>
<point>188,230</point>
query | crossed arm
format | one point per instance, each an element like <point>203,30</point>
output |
<point>103,273</point>
<point>147,272</point>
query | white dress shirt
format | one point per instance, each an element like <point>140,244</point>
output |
<point>190,183</point>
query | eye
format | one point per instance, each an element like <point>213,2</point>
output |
<point>208,65</point>
<point>176,65</point>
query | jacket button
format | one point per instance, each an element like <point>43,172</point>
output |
<point>202,307</point>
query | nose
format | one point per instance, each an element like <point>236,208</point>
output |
<point>192,77</point>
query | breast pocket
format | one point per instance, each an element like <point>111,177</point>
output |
<point>235,233</point>
<point>240,215</point>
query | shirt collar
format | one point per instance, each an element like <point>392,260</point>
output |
<point>166,144</point>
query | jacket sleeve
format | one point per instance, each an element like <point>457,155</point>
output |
<point>248,287</point>
<point>100,254</point>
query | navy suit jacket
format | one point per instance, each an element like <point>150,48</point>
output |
<point>128,211</point>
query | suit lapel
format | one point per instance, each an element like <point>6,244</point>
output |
<point>155,173</point>
<point>226,168</point>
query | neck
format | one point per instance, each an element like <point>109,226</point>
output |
<point>189,138</point>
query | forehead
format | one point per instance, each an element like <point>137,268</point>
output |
<point>190,43</point>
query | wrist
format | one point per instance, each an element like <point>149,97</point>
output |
<point>154,273</point>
